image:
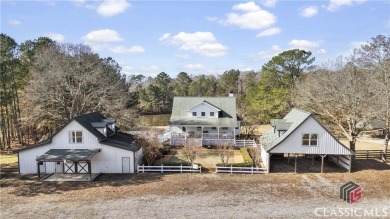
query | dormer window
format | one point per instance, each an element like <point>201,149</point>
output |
<point>203,113</point>
<point>212,114</point>
<point>75,137</point>
<point>309,139</point>
<point>193,113</point>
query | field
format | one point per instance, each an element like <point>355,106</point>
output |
<point>155,195</point>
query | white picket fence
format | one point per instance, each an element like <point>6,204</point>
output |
<point>232,170</point>
<point>245,143</point>
<point>178,169</point>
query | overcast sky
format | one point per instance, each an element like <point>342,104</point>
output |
<point>209,37</point>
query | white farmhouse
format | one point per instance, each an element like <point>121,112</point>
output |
<point>88,144</point>
<point>300,133</point>
<point>204,120</point>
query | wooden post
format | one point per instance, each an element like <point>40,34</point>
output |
<point>350,163</point>
<point>162,168</point>
<point>322,163</point>
<point>90,169</point>
<point>312,160</point>
<point>75,166</point>
<point>39,171</point>
<point>296,157</point>
<point>288,158</point>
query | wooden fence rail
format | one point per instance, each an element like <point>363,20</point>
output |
<point>245,143</point>
<point>177,169</point>
<point>232,169</point>
<point>372,154</point>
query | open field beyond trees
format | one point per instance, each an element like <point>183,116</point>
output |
<point>155,195</point>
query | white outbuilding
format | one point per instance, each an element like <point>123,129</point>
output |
<point>88,144</point>
<point>300,133</point>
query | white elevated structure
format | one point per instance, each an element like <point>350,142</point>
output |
<point>87,144</point>
<point>204,120</point>
<point>299,133</point>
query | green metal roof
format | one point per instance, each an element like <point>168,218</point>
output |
<point>227,105</point>
<point>280,124</point>
<point>294,119</point>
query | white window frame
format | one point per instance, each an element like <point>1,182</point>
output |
<point>194,114</point>
<point>73,140</point>
<point>213,114</point>
<point>309,139</point>
<point>203,114</point>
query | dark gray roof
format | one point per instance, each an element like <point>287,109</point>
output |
<point>227,105</point>
<point>57,155</point>
<point>121,140</point>
<point>88,121</point>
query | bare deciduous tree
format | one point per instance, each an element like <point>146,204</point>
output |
<point>225,152</point>
<point>255,155</point>
<point>190,153</point>
<point>341,92</point>
<point>151,147</point>
<point>375,58</point>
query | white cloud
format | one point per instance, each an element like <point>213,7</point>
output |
<point>309,11</point>
<point>183,56</point>
<point>304,44</point>
<point>269,32</point>
<point>334,5</point>
<point>202,43</point>
<point>321,51</point>
<point>268,54</point>
<point>56,37</point>
<point>269,3</point>
<point>14,22</point>
<point>164,37</point>
<point>106,35</point>
<point>193,67</point>
<point>126,50</point>
<point>112,7</point>
<point>249,16</point>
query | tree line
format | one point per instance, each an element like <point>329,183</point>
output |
<point>44,84</point>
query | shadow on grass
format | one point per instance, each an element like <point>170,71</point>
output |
<point>369,164</point>
<point>304,165</point>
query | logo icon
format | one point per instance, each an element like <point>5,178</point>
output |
<point>351,192</point>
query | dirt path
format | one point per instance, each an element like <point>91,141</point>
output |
<point>155,195</point>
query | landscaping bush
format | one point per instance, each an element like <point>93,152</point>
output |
<point>166,149</point>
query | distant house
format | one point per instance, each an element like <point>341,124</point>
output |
<point>300,133</point>
<point>204,120</point>
<point>89,143</point>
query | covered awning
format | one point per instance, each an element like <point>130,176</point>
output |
<point>58,155</point>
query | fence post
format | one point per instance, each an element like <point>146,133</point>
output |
<point>252,169</point>
<point>181,168</point>
<point>143,168</point>
<point>231,169</point>
<point>162,168</point>
<point>367,154</point>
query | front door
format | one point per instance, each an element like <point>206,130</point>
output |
<point>59,168</point>
<point>125,164</point>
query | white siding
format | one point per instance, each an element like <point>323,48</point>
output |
<point>265,158</point>
<point>109,160</point>
<point>27,159</point>
<point>204,107</point>
<point>326,143</point>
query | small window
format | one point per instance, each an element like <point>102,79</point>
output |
<point>193,113</point>
<point>198,128</point>
<point>75,137</point>
<point>310,139</point>
<point>203,114</point>
<point>212,114</point>
<point>213,128</point>
<point>225,128</point>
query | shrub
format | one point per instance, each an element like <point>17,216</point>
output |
<point>166,149</point>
